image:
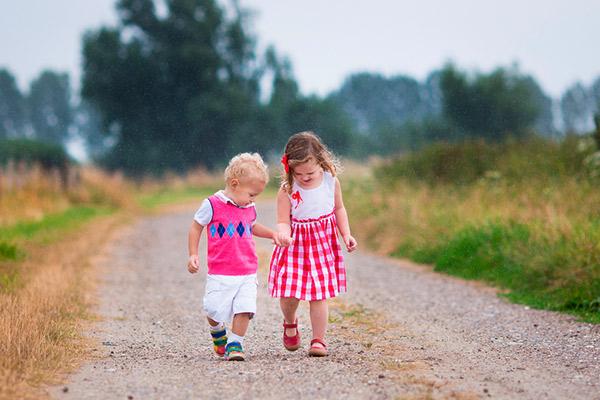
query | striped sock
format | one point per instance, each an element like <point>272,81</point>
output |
<point>219,338</point>
<point>232,337</point>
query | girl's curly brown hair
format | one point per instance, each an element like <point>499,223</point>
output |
<point>302,147</point>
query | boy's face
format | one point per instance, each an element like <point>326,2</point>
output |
<point>245,191</point>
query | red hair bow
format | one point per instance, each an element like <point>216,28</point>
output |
<point>284,161</point>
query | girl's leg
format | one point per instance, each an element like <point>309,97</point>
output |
<point>240,324</point>
<point>212,322</point>
<point>289,305</point>
<point>319,313</point>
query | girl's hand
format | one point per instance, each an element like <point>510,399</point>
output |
<point>282,239</point>
<point>350,243</point>
<point>275,239</point>
<point>193,264</point>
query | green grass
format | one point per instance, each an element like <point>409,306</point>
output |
<point>51,226</point>
<point>561,274</point>
<point>522,215</point>
<point>50,229</point>
<point>172,196</point>
<point>8,251</point>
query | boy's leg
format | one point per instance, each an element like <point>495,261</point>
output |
<point>289,305</point>
<point>219,335</point>
<point>319,313</point>
<point>240,323</point>
<point>235,342</point>
<point>244,305</point>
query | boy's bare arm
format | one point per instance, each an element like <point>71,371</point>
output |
<point>193,241</point>
<point>264,232</point>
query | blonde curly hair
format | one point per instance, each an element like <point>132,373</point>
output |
<point>247,165</point>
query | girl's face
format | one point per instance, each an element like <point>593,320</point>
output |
<point>309,174</point>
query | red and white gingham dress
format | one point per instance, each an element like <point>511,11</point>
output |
<point>312,267</point>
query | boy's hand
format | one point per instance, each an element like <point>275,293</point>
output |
<point>350,243</point>
<point>193,264</point>
<point>282,239</point>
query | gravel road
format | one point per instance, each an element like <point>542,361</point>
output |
<point>401,332</point>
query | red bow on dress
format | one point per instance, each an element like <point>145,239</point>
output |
<point>296,196</point>
<point>284,161</point>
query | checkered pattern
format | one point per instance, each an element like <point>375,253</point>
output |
<point>312,267</point>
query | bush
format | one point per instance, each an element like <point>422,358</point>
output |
<point>8,251</point>
<point>33,152</point>
<point>469,161</point>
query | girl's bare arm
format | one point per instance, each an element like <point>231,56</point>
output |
<point>342,218</point>
<point>284,208</point>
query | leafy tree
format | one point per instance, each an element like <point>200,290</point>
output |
<point>432,95</point>
<point>87,123</point>
<point>577,107</point>
<point>49,107</point>
<point>372,100</point>
<point>290,112</point>
<point>46,154</point>
<point>595,94</point>
<point>544,124</point>
<point>12,107</point>
<point>174,91</point>
<point>491,106</point>
<point>411,136</point>
<point>596,133</point>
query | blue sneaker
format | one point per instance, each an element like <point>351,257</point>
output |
<point>234,352</point>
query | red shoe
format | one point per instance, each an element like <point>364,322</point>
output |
<point>317,351</point>
<point>291,343</point>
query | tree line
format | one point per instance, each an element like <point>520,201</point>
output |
<point>187,88</point>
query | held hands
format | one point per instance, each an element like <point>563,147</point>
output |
<point>193,264</point>
<point>350,243</point>
<point>281,239</point>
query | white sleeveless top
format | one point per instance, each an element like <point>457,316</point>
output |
<point>313,203</point>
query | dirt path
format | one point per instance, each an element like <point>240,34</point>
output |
<point>401,332</point>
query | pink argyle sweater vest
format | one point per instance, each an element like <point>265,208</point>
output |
<point>231,248</point>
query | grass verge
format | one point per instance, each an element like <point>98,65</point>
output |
<point>560,274</point>
<point>46,274</point>
<point>44,301</point>
<point>533,232</point>
<point>163,197</point>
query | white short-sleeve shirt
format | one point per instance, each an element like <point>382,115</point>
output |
<point>204,214</point>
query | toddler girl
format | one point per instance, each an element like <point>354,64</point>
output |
<point>310,211</point>
<point>230,220</point>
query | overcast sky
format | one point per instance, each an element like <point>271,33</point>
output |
<point>555,40</point>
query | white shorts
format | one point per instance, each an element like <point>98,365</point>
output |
<point>227,295</point>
